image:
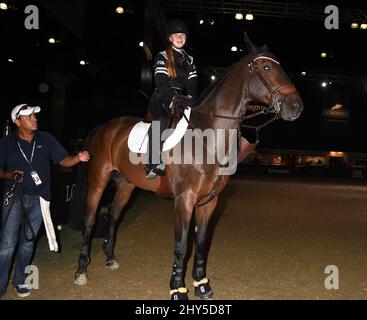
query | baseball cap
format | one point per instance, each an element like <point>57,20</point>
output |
<point>23,109</point>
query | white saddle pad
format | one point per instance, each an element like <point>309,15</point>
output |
<point>138,137</point>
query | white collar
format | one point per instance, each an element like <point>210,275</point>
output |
<point>177,50</point>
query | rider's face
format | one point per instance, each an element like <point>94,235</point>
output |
<point>178,40</point>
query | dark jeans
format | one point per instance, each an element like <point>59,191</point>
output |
<point>12,233</point>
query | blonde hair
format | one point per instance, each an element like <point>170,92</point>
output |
<point>170,62</point>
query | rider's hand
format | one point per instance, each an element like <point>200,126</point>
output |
<point>183,103</point>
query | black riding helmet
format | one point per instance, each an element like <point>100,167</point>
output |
<point>176,26</point>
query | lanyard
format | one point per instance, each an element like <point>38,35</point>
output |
<point>25,157</point>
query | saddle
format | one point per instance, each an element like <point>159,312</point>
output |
<point>138,137</point>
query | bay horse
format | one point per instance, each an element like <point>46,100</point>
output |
<point>256,77</point>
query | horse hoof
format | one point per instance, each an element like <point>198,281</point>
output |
<point>112,265</point>
<point>179,294</point>
<point>80,279</point>
<point>204,291</point>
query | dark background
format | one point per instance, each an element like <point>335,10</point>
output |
<point>109,85</point>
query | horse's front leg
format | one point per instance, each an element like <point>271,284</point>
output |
<point>202,218</point>
<point>183,213</point>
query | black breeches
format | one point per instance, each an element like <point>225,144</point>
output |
<point>160,112</point>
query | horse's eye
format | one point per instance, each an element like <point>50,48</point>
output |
<point>267,68</point>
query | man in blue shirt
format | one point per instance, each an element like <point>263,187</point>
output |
<point>25,156</point>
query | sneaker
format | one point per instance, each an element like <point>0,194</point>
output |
<point>22,290</point>
<point>151,175</point>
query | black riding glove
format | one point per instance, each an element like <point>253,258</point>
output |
<point>184,103</point>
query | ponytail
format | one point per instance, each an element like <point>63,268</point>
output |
<point>170,63</point>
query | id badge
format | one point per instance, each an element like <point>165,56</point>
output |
<point>36,178</point>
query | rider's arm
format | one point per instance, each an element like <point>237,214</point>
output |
<point>192,81</point>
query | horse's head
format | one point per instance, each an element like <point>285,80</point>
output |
<point>268,83</point>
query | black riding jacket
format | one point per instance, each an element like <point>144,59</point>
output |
<point>186,78</point>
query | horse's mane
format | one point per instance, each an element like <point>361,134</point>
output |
<point>211,87</point>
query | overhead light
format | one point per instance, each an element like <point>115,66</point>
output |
<point>238,16</point>
<point>3,6</point>
<point>303,73</point>
<point>323,55</point>
<point>364,26</point>
<point>211,22</point>
<point>10,60</point>
<point>141,44</point>
<point>52,40</point>
<point>120,10</point>
<point>201,21</point>
<point>324,84</point>
<point>330,83</point>
<point>213,77</point>
<point>354,25</point>
<point>82,63</point>
<point>234,49</point>
<point>249,17</point>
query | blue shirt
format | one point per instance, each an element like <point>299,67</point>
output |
<point>46,148</point>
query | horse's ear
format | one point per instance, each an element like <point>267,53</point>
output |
<point>265,47</point>
<point>250,46</point>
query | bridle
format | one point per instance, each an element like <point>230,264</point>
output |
<point>274,107</point>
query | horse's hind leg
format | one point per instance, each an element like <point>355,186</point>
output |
<point>96,186</point>
<point>202,217</point>
<point>122,196</point>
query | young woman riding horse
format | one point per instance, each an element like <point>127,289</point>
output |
<point>257,77</point>
<point>174,71</point>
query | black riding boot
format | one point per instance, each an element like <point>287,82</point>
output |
<point>159,111</point>
<point>150,174</point>
<point>154,169</point>
<point>160,169</point>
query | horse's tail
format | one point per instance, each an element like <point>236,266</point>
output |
<point>78,205</point>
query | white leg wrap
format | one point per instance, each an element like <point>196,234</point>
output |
<point>179,290</point>
<point>202,281</point>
